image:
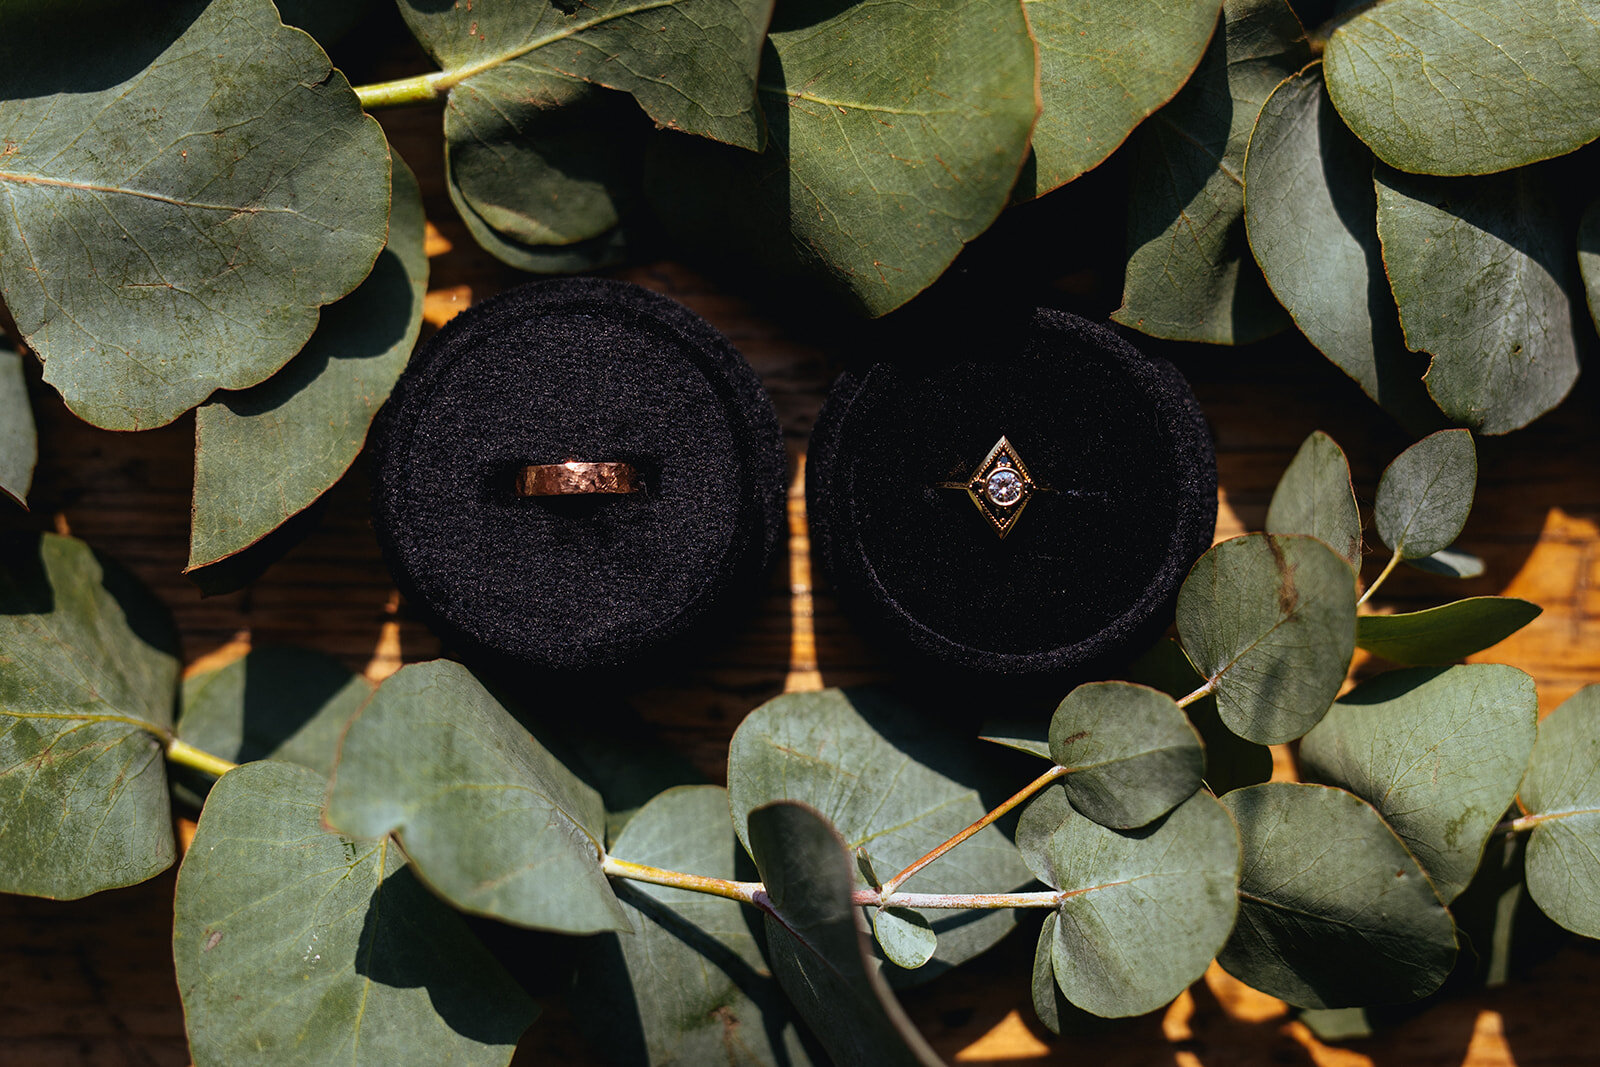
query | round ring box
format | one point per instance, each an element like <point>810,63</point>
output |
<point>1087,572</point>
<point>576,369</point>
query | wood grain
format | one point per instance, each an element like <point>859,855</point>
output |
<point>91,982</point>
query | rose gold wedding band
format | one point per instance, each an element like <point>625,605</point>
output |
<point>572,477</point>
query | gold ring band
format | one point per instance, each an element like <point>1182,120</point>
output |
<point>574,478</point>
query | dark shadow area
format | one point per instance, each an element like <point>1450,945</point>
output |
<point>45,43</point>
<point>24,585</point>
<point>283,690</point>
<point>407,941</point>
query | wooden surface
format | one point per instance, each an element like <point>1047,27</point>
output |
<point>91,982</point>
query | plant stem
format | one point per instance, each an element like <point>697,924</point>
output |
<point>1528,822</point>
<point>870,898</point>
<point>1204,691</point>
<point>696,883</point>
<point>415,90</point>
<point>1394,561</point>
<point>1022,794</point>
<point>186,755</point>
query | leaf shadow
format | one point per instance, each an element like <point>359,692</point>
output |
<point>392,951</point>
<point>1348,165</point>
<point>283,690</point>
<point>24,585</point>
<point>123,39</point>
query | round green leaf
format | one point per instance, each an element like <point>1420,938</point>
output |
<point>491,820</point>
<point>1270,622</point>
<point>690,985</point>
<point>1230,761</point>
<point>1333,911</point>
<point>1589,257</point>
<point>541,160</point>
<point>1483,273</point>
<point>1446,633</point>
<point>1142,913</point>
<point>1047,998</point>
<point>1425,495</point>
<point>1314,497</point>
<point>815,939</point>
<point>19,445</point>
<point>180,207</point>
<point>1562,790</point>
<point>1450,563</point>
<point>283,703</point>
<point>301,946</point>
<point>1133,756</point>
<point>1468,88</point>
<point>88,672</point>
<point>1190,275</point>
<point>601,251</point>
<point>1437,752</point>
<point>888,778</point>
<point>691,64</point>
<point>265,454</point>
<point>1103,67</point>
<point>905,936</point>
<point>897,134</point>
<point>1309,210</point>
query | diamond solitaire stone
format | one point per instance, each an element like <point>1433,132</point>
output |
<point>1003,487</point>
<point>1000,488</point>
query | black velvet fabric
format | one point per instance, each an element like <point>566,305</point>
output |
<point>593,370</point>
<point>1091,567</point>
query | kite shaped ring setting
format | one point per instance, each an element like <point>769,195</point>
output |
<point>1000,487</point>
<point>574,478</point>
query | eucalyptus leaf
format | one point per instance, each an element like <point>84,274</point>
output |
<point>1132,755</point>
<point>1031,738</point>
<point>1468,88</point>
<point>690,986</point>
<point>300,946</point>
<point>1450,563</point>
<point>1314,497</point>
<point>1103,67</point>
<point>1269,620</point>
<point>1446,633</point>
<point>1190,275</point>
<point>280,703</point>
<point>888,779</point>
<point>19,444</point>
<point>1562,793</point>
<point>1142,913</point>
<point>265,454</point>
<point>815,939</point>
<point>180,208</point>
<point>691,64</point>
<point>541,160</point>
<point>1483,272</point>
<point>1333,911</point>
<point>906,936</point>
<point>1048,1003</point>
<point>1231,762</point>
<point>872,183</point>
<point>88,673</point>
<point>1589,257</point>
<point>1425,495</point>
<point>491,821</point>
<point>1438,753</point>
<point>602,251</point>
<point>1309,210</point>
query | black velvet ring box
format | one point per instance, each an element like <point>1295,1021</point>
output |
<point>1088,571</point>
<point>591,370</point>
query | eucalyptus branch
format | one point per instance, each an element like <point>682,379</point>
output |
<point>186,755</point>
<point>1204,691</point>
<point>1022,794</point>
<point>1394,561</point>
<point>417,89</point>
